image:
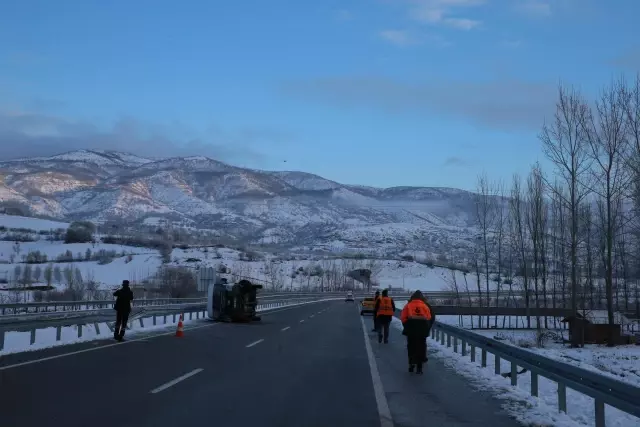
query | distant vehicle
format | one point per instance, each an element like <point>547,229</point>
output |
<point>349,297</point>
<point>367,306</point>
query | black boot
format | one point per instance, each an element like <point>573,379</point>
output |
<point>411,368</point>
<point>379,338</point>
<point>419,372</point>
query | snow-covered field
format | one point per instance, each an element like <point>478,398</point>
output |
<point>543,411</point>
<point>11,221</point>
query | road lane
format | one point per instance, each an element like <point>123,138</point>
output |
<point>71,390</point>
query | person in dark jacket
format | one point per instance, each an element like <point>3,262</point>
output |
<point>124,296</point>
<point>375,318</point>
<point>384,310</point>
<point>416,319</point>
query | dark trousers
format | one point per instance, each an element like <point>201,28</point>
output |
<point>122,317</point>
<point>417,350</point>
<point>375,322</point>
<point>383,329</point>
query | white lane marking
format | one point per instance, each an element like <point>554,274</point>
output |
<point>302,321</point>
<point>311,317</point>
<point>285,328</point>
<point>176,381</point>
<point>381,398</point>
<point>146,337</point>
<point>254,343</point>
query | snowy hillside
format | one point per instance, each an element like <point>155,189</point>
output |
<point>242,205</point>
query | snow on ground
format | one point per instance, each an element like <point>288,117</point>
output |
<point>621,363</point>
<point>11,221</point>
<point>398,274</point>
<point>541,411</point>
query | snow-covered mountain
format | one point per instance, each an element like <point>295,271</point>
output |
<point>292,208</point>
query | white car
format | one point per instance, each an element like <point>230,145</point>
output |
<point>349,297</point>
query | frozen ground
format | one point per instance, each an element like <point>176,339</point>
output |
<point>532,411</point>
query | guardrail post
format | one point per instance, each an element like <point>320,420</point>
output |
<point>484,358</point>
<point>197,314</point>
<point>599,406</point>
<point>496,364</point>
<point>97,328</point>
<point>514,373</point>
<point>191,315</point>
<point>141,323</point>
<point>534,384</point>
<point>174,318</point>
<point>164,319</point>
<point>562,397</point>
<point>473,353</point>
<point>1,339</point>
<point>58,333</point>
<point>455,344</point>
<point>154,320</point>
<point>79,331</point>
<point>32,338</point>
<point>464,348</point>
<point>441,337</point>
<point>448,340</point>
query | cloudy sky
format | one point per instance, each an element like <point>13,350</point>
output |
<point>374,92</point>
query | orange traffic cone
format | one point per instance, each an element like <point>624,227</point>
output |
<point>180,330</point>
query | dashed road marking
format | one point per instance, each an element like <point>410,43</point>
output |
<point>302,321</point>
<point>255,343</point>
<point>285,328</point>
<point>311,317</point>
<point>176,381</point>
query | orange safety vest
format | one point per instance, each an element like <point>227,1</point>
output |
<point>415,309</point>
<point>386,307</point>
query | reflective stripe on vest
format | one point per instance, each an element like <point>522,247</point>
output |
<point>386,307</point>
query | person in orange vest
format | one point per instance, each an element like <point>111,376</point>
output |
<point>416,318</point>
<point>375,318</point>
<point>384,310</point>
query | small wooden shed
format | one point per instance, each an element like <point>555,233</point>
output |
<point>594,326</point>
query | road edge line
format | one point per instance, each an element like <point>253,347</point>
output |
<point>381,399</point>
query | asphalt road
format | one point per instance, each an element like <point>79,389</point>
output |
<point>302,366</point>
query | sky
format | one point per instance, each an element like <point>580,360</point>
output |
<point>372,92</point>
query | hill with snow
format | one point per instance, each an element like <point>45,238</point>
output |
<point>251,206</point>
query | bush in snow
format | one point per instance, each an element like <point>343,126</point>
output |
<point>177,282</point>
<point>79,232</point>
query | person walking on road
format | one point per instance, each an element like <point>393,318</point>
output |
<point>124,296</point>
<point>375,318</point>
<point>384,310</point>
<point>416,319</point>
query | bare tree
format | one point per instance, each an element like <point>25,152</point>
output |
<point>606,132</point>
<point>518,220</point>
<point>566,145</point>
<point>485,219</point>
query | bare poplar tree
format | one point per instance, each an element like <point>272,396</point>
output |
<point>565,144</point>
<point>606,132</point>
<point>485,218</point>
<point>518,218</point>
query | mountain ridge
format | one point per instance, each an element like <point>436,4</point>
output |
<point>258,206</point>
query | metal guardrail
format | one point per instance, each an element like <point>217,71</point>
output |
<point>602,389</point>
<point>95,318</point>
<point>69,306</point>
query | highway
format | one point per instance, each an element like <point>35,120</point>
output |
<point>314,365</point>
